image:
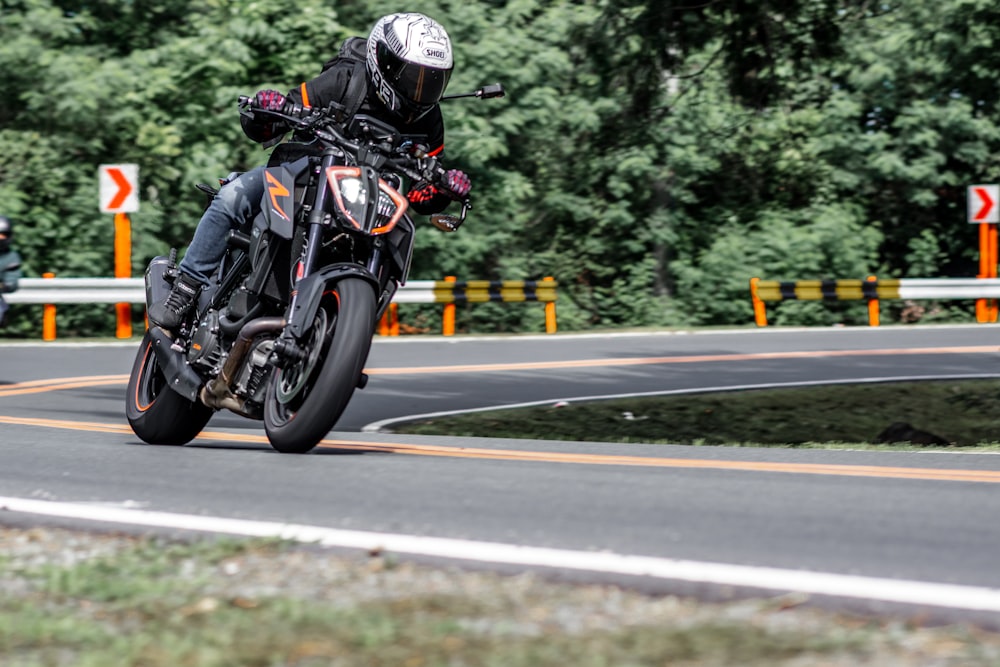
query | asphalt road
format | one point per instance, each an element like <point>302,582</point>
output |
<point>917,530</point>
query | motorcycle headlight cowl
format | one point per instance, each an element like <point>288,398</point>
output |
<point>364,201</point>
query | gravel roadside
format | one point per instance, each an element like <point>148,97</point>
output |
<point>524,605</point>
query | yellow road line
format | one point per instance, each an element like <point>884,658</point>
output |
<point>657,462</point>
<point>882,472</point>
<point>692,359</point>
<point>42,386</point>
<point>66,425</point>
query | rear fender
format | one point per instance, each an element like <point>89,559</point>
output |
<point>312,288</point>
<point>180,376</point>
<point>157,286</point>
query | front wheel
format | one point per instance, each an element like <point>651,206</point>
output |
<point>156,413</point>
<point>305,399</point>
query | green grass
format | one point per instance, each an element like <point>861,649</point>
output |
<point>962,414</point>
<point>155,603</point>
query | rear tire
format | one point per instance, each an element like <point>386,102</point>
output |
<point>157,414</point>
<point>305,400</point>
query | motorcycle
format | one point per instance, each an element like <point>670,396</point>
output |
<point>283,332</point>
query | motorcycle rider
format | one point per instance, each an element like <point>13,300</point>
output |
<point>10,264</point>
<point>408,62</point>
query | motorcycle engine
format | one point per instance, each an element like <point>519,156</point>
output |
<point>206,350</point>
<point>251,382</point>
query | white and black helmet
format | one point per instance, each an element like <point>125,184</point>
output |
<point>409,62</point>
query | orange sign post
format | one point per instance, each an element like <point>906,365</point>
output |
<point>119,194</point>
<point>983,210</point>
<point>123,269</point>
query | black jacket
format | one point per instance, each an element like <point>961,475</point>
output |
<point>332,86</point>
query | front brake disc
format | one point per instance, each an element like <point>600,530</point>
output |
<point>291,379</point>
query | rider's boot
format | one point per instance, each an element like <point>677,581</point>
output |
<point>171,311</point>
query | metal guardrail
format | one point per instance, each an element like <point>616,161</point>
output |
<point>78,290</point>
<point>51,291</point>
<point>873,289</point>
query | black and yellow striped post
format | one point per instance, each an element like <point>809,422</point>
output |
<point>871,290</point>
<point>451,292</point>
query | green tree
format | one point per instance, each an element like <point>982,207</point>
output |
<point>652,155</point>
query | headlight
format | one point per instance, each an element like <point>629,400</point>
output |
<point>352,188</point>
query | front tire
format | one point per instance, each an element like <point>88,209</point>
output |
<point>157,414</point>
<point>305,400</point>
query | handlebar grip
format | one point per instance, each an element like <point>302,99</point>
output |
<point>292,109</point>
<point>289,108</point>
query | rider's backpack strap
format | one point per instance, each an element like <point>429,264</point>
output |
<point>353,50</point>
<point>357,91</point>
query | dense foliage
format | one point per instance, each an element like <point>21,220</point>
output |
<point>651,155</point>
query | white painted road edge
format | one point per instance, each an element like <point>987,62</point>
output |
<point>919,593</point>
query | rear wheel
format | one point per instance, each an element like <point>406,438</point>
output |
<point>305,399</point>
<point>157,414</point>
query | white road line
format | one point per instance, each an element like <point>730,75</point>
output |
<point>919,593</point>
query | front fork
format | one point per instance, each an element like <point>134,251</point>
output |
<point>287,349</point>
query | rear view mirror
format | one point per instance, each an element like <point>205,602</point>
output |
<point>445,222</point>
<point>492,90</point>
<point>450,223</point>
<point>484,93</point>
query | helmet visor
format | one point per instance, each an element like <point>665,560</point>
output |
<point>420,85</point>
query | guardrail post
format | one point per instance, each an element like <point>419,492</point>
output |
<point>550,312</point>
<point>448,318</point>
<point>389,324</point>
<point>48,316</point>
<point>759,309</point>
<point>873,308</point>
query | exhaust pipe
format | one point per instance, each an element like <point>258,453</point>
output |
<point>217,393</point>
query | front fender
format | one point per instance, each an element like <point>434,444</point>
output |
<point>310,290</point>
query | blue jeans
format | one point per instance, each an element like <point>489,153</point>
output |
<point>237,203</point>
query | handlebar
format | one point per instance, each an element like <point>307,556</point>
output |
<point>326,125</point>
